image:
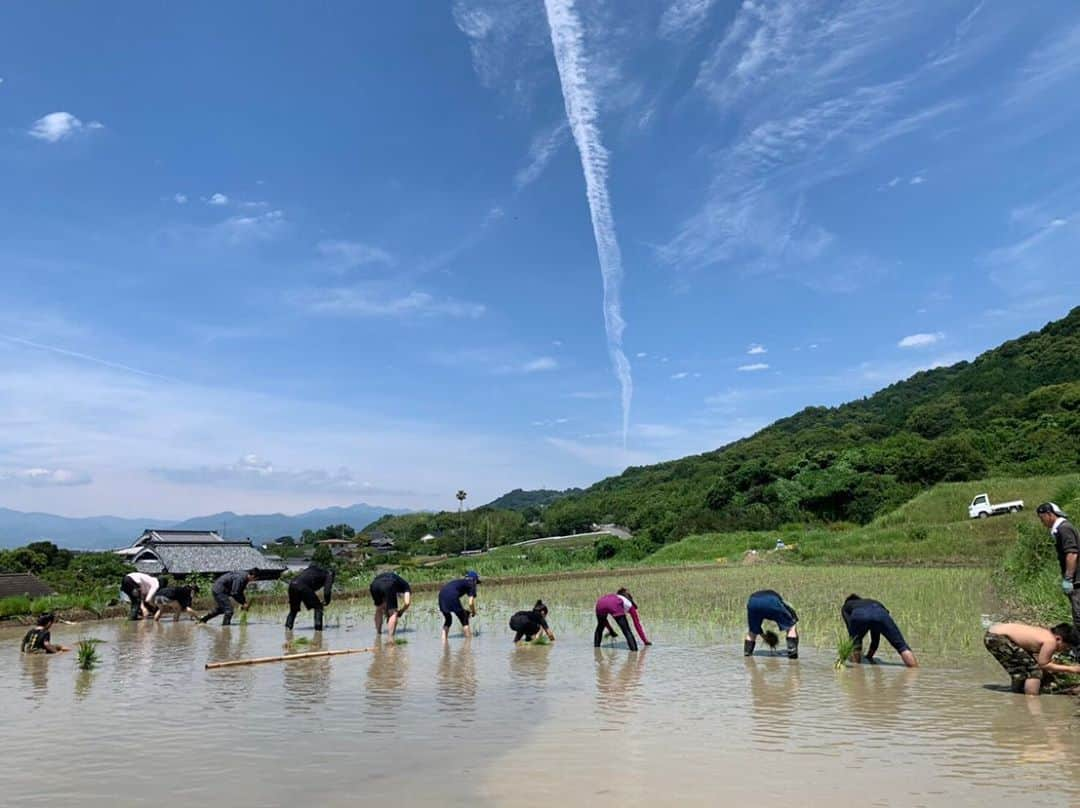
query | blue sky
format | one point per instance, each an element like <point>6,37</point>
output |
<point>274,257</point>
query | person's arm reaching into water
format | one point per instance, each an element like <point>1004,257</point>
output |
<point>637,625</point>
<point>328,588</point>
<point>875,639</point>
<point>1046,662</point>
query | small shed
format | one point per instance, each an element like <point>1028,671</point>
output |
<point>427,538</point>
<point>381,542</point>
<point>180,558</point>
<point>13,584</point>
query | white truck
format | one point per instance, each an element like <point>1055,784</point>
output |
<point>981,507</point>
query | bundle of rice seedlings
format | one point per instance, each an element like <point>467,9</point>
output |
<point>845,647</point>
<point>87,655</point>
<point>772,639</point>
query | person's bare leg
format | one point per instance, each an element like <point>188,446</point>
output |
<point>378,619</point>
<point>391,624</point>
<point>793,633</point>
<point>157,615</point>
<point>467,630</point>
<point>1032,687</point>
<point>911,662</point>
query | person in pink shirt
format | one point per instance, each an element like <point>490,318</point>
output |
<point>618,605</point>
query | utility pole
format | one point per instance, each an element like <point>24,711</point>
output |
<point>461,519</point>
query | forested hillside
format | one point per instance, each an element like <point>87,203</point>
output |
<point>1013,411</point>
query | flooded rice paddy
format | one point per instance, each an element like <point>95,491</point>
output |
<point>687,721</point>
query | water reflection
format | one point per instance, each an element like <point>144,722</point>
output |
<point>387,676</point>
<point>456,680</point>
<point>35,669</point>
<point>618,679</point>
<point>774,691</point>
<point>234,685</point>
<point>306,681</point>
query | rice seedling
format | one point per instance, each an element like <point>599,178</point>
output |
<point>400,641</point>
<point>771,639</point>
<point>301,641</point>
<point>540,639</point>
<point>87,657</point>
<point>244,618</point>
<point>845,647</point>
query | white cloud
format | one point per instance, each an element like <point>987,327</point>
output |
<point>180,199</point>
<point>641,354</point>
<point>343,255</point>
<point>921,340</point>
<point>253,472</point>
<point>756,349</point>
<point>1055,64</point>
<point>543,147</point>
<point>57,126</point>
<point>218,199</point>
<point>539,365</point>
<point>588,395</point>
<point>680,375</point>
<point>755,366</point>
<point>372,301</point>
<point>684,17</point>
<point>918,179</point>
<point>45,477</point>
<point>247,229</point>
<point>601,455</point>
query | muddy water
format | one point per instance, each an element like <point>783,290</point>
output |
<point>480,722</point>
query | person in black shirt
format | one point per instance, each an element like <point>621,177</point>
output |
<point>384,594</point>
<point>38,639</point>
<point>862,615</point>
<point>231,585</point>
<point>527,625</point>
<point>182,596</point>
<point>1067,544</point>
<point>302,589</point>
<point>450,602</point>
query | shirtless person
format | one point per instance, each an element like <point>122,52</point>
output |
<point>1027,652</point>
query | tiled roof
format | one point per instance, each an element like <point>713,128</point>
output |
<point>182,558</point>
<point>23,583</point>
<point>179,535</point>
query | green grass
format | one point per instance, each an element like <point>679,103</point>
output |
<point>939,610</point>
<point>20,605</point>
<point>948,502</point>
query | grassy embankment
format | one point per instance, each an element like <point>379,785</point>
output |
<point>932,529</point>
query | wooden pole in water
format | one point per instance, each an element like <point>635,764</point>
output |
<point>285,657</point>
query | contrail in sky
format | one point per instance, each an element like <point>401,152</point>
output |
<point>581,111</point>
<point>85,357</point>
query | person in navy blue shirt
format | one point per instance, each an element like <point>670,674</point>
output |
<point>862,616</point>
<point>450,602</point>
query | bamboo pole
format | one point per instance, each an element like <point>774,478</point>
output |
<point>285,657</point>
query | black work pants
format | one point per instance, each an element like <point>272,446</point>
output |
<point>624,625</point>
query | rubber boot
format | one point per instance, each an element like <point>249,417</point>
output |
<point>318,619</point>
<point>793,647</point>
<point>748,647</point>
<point>290,620</point>
<point>226,620</point>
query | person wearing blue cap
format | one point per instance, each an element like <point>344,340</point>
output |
<point>1067,544</point>
<point>450,602</point>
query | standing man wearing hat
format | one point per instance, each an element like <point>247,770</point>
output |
<point>1067,543</point>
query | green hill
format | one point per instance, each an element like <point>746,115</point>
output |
<point>1012,412</point>
<point>521,500</point>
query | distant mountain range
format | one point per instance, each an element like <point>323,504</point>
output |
<point>100,532</point>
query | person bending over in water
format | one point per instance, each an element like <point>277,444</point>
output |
<point>768,605</point>
<point>862,615</point>
<point>450,602</point>
<point>527,625</point>
<point>38,640</point>
<point>182,596</point>
<point>303,589</point>
<point>618,605</point>
<point>1027,653</point>
<point>384,594</point>
<point>226,588</point>
<point>140,589</point>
